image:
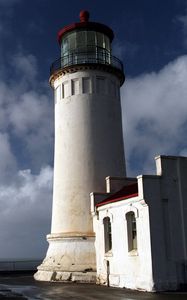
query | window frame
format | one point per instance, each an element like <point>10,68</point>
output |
<point>132,243</point>
<point>107,224</point>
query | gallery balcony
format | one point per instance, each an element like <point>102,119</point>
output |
<point>92,57</point>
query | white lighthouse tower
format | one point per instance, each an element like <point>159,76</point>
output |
<point>88,144</point>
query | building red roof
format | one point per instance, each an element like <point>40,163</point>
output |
<point>126,192</point>
<point>84,23</point>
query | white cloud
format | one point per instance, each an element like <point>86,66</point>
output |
<point>26,112</point>
<point>155,115</point>
<point>26,137</point>
<point>25,214</point>
<point>8,164</point>
<point>26,65</point>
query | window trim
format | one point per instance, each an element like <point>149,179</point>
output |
<point>132,209</point>
<point>131,231</point>
<point>107,227</point>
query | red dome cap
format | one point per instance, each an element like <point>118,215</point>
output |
<point>84,16</point>
<point>85,24</point>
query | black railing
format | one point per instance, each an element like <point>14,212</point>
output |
<point>90,55</point>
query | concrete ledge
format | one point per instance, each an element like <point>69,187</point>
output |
<point>84,277</point>
<point>71,235</point>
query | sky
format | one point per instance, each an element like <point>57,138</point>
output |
<point>151,41</point>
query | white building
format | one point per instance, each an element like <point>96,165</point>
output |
<point>135,234</point>
<point>141,229</point>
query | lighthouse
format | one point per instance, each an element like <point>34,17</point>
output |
<point>86,80</point>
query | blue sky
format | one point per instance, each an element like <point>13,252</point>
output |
<point>150,39</point>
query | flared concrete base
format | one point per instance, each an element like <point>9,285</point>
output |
<point>87,277</point>
<point>69,258</point>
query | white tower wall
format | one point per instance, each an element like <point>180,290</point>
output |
<point>88,147</point>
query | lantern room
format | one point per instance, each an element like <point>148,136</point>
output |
<point>88,43</point>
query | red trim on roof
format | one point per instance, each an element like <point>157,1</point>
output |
<point>118,199</point>
<point>126,192</point>
<point>86,25</point>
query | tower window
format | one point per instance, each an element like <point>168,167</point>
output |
<point>107,234</point>
<point>86,85</point>
<point>65,90</point>
<point>100,85</point>
<point>75,86</point>
<point>131,231</point>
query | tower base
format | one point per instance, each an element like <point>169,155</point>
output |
<point>86,277</point>
<point>70,257</point>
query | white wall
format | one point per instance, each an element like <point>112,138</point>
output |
<point>88,145</point>
<point>127,269</point>
<point>167,200</point>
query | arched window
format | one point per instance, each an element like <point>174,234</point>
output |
<point>131,231</point>
<point>107,234</point>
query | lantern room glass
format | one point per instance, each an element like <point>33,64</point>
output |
<point>84,46</point>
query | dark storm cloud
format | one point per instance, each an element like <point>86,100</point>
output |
<point>155,110</point>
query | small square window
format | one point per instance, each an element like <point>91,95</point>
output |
<point>75,86</point>
<point>65,90</point>
<point>86,85</point>
<point>100,85</point>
